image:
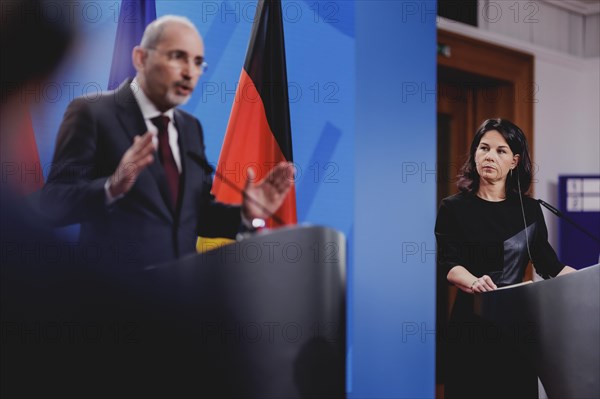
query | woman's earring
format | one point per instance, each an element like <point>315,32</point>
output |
<point>511,173</point>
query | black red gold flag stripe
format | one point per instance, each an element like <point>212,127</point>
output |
<point>259,131</point>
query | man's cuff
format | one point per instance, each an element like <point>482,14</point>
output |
<point>245,221</point>
<point>251,225</point>
<point>109,198</point>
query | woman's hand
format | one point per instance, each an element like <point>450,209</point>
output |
<point>467,282</point>
<point>482,284</point>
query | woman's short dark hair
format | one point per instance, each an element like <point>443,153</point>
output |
<point>468,178</point>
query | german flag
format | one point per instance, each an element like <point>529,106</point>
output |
<point>21,160</point>
<point>259,134</point>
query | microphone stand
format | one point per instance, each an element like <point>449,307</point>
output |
<point>571,221</point>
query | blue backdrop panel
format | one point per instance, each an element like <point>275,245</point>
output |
<point>579,200</point>
<point>395,191</point>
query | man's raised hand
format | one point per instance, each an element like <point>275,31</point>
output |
<point>134,161</point>
<point>261,200</point>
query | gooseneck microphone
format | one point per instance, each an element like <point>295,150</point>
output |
<point>208,168</point>
<point>571,221</point>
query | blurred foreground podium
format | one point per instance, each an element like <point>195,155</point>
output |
<point>559,322</point>
<point>260,318</point>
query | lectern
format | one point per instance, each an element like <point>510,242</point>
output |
<point>261,318</point>
<point>559,320</point>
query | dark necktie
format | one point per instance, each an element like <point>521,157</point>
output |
<point>166,156</point>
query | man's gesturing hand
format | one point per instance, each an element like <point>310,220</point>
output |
<point>263,199</point>
<point>134,161</point>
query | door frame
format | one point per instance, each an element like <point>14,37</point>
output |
<point>492,61</point>
<point>488,61</point>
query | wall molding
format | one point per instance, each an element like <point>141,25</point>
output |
<point>579,6</point>
<point>539,52</point>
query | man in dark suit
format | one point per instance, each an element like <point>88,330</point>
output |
<point>135,209</point>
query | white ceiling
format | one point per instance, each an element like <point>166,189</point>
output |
<point>584,7</point>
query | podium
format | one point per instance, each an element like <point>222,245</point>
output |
<point>260,318</point>
<point>559,322</point>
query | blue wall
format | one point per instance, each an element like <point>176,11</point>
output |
<point>393,352</point>
<point>363,141</point>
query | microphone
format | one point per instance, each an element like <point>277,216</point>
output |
<point>209,170</point>
<point>571,221</point>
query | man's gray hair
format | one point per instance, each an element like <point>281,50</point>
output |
<point>154,30</point>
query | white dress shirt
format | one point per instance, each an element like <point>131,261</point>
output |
<point>149,111</point>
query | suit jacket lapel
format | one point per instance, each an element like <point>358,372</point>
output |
<point>152,181</point>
